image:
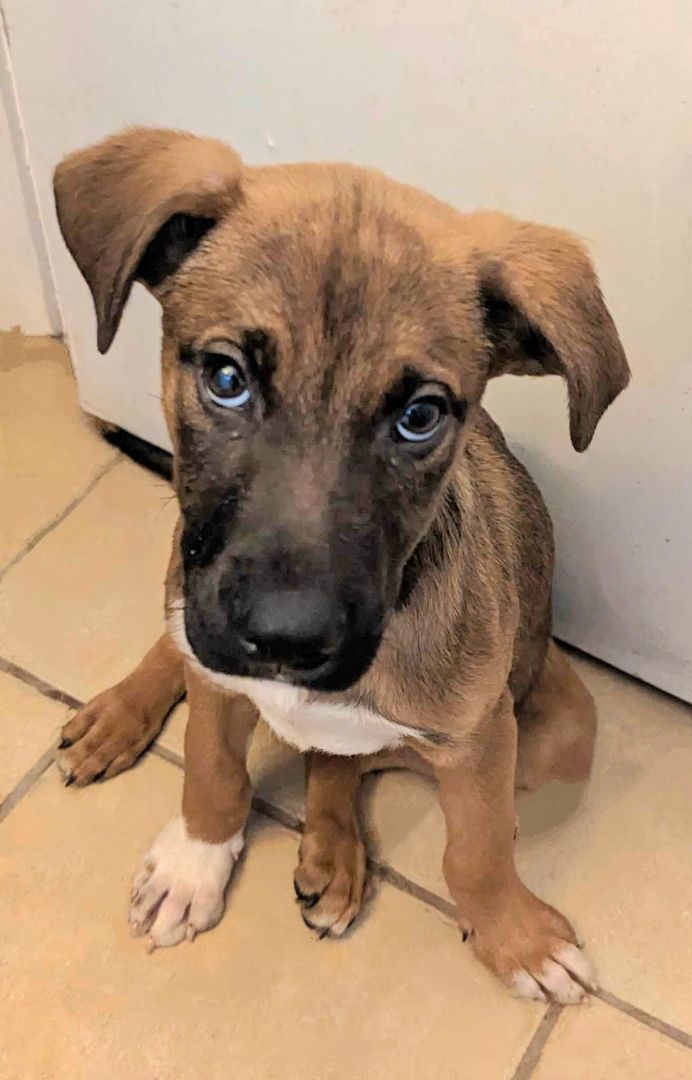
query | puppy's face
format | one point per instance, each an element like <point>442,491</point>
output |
<point>320,374</point>
<point>327,338</point>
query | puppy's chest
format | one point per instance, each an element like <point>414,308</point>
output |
<point>335,728</point>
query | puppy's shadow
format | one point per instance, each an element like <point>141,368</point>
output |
<point>552,805</point>
<point>397,806</point>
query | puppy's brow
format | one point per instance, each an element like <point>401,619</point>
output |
<point>406,385</point>
<point>398,394</point>
<point>260,351</point>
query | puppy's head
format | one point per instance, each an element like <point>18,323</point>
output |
<point>327,336</point>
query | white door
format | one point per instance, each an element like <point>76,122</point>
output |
<point>575,114</point>
<point>27,296</point>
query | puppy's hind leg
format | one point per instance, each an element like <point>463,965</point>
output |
<point>528,944</point>
<point>557,726</point>
<point>109,733</point>
<point>330,876</point>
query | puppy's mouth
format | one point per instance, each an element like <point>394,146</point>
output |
<point>292,673</point>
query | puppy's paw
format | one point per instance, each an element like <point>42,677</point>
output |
<point>330,877</point>
<point>534,950</point>
<point>178,890</point>
<point>103,738</point>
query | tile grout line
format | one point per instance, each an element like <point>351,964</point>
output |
<point>644,1017</point>
<point>382,870</point>
<point>8,667</point>
<point>26,783</point>
<point>399,881</point>
<point>38,536</point>
<point>537,1043</point>
<point>543,1033</point>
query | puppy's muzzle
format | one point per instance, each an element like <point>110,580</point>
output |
<point>307,636</point>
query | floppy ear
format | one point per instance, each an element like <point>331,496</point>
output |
<point>545,314</point>
<point>133,206</point>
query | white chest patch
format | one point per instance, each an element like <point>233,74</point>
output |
<point>320,725</point>
<point>335,728</point>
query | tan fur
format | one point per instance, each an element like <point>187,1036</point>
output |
<point>216,794</point>
<point>110,733</point>
<point>330,876</point>
<point>466,662</point>
<point>557,726</point>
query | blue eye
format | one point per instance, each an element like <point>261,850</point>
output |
<point>421,419</point>
<point>225,381</point>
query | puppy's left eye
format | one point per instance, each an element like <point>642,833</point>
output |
<point>224,380</point>
<point>421,419</point>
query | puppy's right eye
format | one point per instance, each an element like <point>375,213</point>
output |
<point>224,378</point>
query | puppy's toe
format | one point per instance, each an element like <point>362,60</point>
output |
<point>523,985</point>
<point>103,738</point>
<point>533,949</point>
<point>329,880</point>
<point>333,913</point>
<point>577,963</point>
<point>170,925</point>
<point>559,984</point>
<point>179,888</point>
<point>549,980</point>
<point>64,768</point>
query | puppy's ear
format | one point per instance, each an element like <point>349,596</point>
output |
<point>544,314</point>
<point>133,206</point>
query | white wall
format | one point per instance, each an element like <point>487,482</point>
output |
<point>27,296</point>
<point>577,114</point>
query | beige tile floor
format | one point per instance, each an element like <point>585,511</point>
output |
<point>83,546</point>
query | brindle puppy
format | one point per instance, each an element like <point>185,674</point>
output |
<point>359,559</point>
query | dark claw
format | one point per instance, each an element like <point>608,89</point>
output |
<point>64,743</point>
<point>308,900</point>
<point>465,935</point>
<point>323,934</point>
<point>69,780</point>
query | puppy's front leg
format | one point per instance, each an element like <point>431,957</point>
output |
<point>528,944</point>
<point>179,887</point>
<point>330,876</point>
<point>109,733</point>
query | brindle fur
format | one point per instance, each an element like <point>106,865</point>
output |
<point>344,281</point>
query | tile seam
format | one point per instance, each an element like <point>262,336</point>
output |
<point>53,524</point>
<point>537,1043</point>
<point>26,783</point>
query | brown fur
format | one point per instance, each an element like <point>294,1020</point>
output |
<point>354,277</point>
<point>216,794</point>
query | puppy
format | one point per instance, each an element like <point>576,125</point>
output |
<point>359,559</point>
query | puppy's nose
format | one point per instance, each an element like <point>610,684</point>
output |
<point>300,628</point>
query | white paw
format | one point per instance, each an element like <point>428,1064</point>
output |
<point>564,979</point>
<point>178,889</point>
